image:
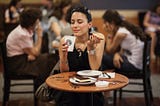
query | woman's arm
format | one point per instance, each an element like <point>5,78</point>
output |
<point>146,21</point>
<point>35,50</point>
<point>14,12</point>
<point>95,49</point>
<point>112,44</point>
<point>63,53</point>
<point>56,29</point>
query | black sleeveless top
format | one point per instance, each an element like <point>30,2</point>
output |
<point>78,60</point>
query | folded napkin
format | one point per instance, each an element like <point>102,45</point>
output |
<point>107,75</point>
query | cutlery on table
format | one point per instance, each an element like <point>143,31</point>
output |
<point>105,74</point>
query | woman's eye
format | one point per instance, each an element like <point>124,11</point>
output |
<point>80,21</point>
<point>72,22</point>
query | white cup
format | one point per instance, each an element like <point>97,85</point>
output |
<point>70,40</point>
<point>102,84</point>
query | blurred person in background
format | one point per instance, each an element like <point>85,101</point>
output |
<point>58,24</point>
<point>152,27</point>
<point>124,44</point>
<point>11,16</point>
<point>47,9</point>
<point>23,54</point>
<point>13,11</point>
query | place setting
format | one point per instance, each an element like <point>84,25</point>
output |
<point>90,77</point>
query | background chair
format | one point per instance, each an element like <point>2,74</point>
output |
<point>143,75</point>
<point>8,78</point>
<point>8,27</point>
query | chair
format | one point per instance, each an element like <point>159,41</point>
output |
<point>8,27</point>
<point>8,78</point>
<point>143,75</point>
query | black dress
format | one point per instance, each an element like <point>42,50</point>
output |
<point>78,60</point>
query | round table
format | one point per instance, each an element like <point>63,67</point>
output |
<point>61,82</point>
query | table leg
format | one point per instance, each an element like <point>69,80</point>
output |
<point>91,99</point>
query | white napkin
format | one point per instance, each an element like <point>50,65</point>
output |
<point>111,74</point>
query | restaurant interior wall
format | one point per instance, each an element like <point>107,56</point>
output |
<point>127,8</point>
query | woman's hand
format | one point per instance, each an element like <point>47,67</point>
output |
<point>93,41</point>
<point>153,57</point>
<point>31,57</point>
<point>63,49</point>
<point>95,48</point>
<point>13,9</point>
<point>39,29</point>
<point>117,60</point>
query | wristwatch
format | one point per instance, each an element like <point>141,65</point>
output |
<point>91,52</point>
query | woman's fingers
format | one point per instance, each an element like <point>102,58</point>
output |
<point>94,39</point>
<point>64,47</point>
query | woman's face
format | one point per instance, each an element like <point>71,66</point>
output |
<point>108,27</point>
<point>19,5</point>
<point>35,25</point>
<point>79,24</point>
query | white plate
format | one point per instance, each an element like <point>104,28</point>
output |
<point>89,73</point>
<point>92,81</point>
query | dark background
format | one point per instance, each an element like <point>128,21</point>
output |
<point>120,4</point>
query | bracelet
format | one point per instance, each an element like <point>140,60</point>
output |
<point>64,62</point>
<point>91,52</point>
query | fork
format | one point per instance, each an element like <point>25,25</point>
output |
<point>107,75</point>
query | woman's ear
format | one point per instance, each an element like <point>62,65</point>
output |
<point>89,24</point>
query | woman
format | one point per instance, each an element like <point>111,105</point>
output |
<point>58,25</point>
<point>47,9</point>
<point>23,54</point>
<point>124,44</point>
<point>86,55</point>
<point>13,11</point>
<point>152,25</point>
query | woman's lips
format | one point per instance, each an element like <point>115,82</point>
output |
<point>75,31</point>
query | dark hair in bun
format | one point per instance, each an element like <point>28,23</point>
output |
<point>82,9</point>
